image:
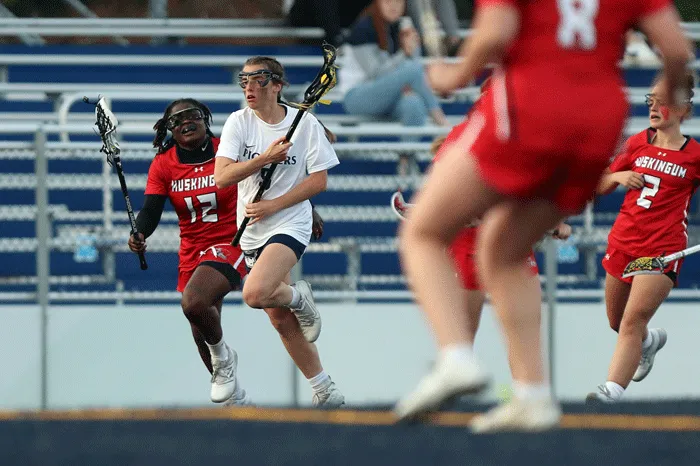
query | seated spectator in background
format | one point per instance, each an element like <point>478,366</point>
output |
<point>331,15</point>
<point>446,13</point>
<point>638,52</point>
<point>381,72</point>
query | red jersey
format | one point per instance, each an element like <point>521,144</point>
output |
<point>565,58</point>
<point>207,215</point>
<point>654,220</point>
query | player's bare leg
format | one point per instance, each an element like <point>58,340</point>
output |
<point>201,304</point>
<point>305,356</point>
<point>646,295</point>
<point>617,293</point>
<point>266,287</point>
<point>452,196</point>
<point>507,235</point>
<point>475,303</point>
<point>202,347</point>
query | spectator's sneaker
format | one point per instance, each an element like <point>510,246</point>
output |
<point>658,341</point>
<point>603,395</point>
<point>638,53</point>
<point>519,415</point>
<point>447,380</point>
<point>329,397</point>
<point>307,314</point>
<point>223,378</point>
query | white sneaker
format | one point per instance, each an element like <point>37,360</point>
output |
<point>330,397</point>
<point>639,54</point>
<point>239,398</point>
<point>308,316</point>
<point>603,395</point>
<point>447,380</point>
<point>223,380</point>
<point>658,341</point>
<point>520,415</point>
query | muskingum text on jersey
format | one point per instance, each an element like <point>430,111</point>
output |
<point>660,166</point>
<point>192,184</point>
<point>249,153</point>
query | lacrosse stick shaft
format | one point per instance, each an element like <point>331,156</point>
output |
<point>681,254</point>
<point>265,183</point>
<point>129,209</point>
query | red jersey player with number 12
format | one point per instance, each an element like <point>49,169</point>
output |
<point>531,154</point>
<point>661,168</point>
<point>209,267</point>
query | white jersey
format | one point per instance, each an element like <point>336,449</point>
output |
<point>246,136</point>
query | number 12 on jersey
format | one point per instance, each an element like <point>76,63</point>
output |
<point>207,203</point>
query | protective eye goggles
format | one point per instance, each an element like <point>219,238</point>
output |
<point>261,77</point>
<point>188,114</point>
<point>651,99</point>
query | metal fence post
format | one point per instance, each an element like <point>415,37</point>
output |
<point>43,235</point>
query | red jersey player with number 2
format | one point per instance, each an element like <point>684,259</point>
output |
<point>531,154</point>
<point>661,168</point>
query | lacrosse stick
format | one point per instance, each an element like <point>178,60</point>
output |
<point>107,127</point>
<point>655,265</point>
<point>324,82</point>
<point>399,206</point>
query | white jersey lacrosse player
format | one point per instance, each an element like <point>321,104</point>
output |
<point>280,225</point>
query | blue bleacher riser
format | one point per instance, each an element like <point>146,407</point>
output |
<point>162,273</point>
<point>345,229</point>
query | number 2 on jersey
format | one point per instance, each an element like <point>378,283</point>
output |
<point>207,203</point>
<point>577,25</point>
<point>654,181</point>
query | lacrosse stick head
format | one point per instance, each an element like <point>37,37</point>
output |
<point>398,205</point>
<point>325,79</point>
<point>644,266</point>
<point>106,124</point>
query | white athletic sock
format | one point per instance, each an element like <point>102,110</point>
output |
<point>647,341</point>
<point>531,391</point>
<point>320,381</point>
<point>296,299</point>
<point>218,351</point>
<point>615,390</point>
<point>460,353</point>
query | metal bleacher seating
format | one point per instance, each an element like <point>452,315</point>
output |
<point>45,85</point>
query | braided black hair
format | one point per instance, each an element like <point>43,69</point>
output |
<point>159,142</point>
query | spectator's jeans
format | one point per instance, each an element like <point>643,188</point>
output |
<point>384,96</point>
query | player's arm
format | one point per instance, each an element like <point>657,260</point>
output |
<point>314,184</point>
<point>228,171</point>
<point>495,27</point>
<point>147,221</point>
<point>610,180</point>
<point>562,231</point>
<point>663,29</point>
<point>316,224</point>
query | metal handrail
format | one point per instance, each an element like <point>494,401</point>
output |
<point>181,28</point>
